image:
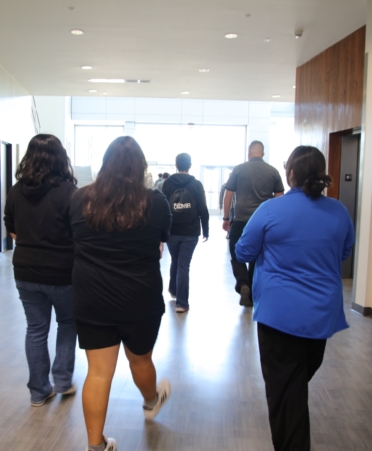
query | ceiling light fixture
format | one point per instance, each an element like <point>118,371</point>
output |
<point>77,32</point>
<point>231,36</point>
<point>298,33</point>
<point>86,67</point>
<point>294,87</point>
<point>276,96</point>
<point>185,93</point>
<point>92,90</point>
<point>247,15</point>
<point>267,40</point>
<point>106,80</point>
<point>203,71</point>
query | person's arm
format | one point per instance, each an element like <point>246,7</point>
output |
<point>349,240</point>
<point>226,209</point>
<point>250,243</point>
<point>202,209</point>
<point>279,187</point>
<point>8,216</point>
<point>167,220</point>
<point>222,192</point>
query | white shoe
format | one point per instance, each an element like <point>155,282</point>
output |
<point>41,403</point>
<point>110,444</point>
<point>70,391</point>
<point>182,309</point>
<point>164,390</point>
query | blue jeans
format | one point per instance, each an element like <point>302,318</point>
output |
<point>181,249</point>
<point>38,301</point>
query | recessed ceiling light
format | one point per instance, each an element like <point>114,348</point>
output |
<point>231,36</point>
<point>71,8</point>
<point>92,90</point>
<point>86,67</point>
<point>104,93</point>
<point>247,15</point>
<point>107,80</point>
<point>276,96</point>
<point>203,70</point>
<point>267,40</point>
<point>185,93</point>
<point>77,32</point>
<point>294,87</point>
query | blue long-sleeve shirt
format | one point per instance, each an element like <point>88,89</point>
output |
<point>298,244</point>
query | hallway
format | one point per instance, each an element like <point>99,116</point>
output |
<point>211,357</point>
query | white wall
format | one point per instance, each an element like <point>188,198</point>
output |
<point>16,124</point>
<point>52,115</point>
<point>363,284</point>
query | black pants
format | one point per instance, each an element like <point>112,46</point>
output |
<point>288,363</point>
<point>242,275</point>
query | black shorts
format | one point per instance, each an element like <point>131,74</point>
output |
<point>138,337</point>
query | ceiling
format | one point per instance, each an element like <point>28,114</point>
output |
<point>167,42</point>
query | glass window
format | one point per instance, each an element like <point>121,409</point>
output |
<point>91,142</point>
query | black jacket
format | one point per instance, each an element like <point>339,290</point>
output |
<point>39,216</point>
<point>178,181</point>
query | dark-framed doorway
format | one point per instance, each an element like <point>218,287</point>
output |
<point>343,166</point>
<point>6,166</point>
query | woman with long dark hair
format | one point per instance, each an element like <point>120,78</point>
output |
<point>299,241</point>
<point>37,217</point>
<point>118,225</point>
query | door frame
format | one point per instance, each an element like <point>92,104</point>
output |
<point>8,184</point>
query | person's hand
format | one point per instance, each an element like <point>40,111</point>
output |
<point>205,238</point>
<point>226,225</point>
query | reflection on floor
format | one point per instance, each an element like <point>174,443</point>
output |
<point>210,355</point>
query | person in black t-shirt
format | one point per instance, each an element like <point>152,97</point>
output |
<point>118,226</point>
<point>253,183</point>
<point>37,217</point>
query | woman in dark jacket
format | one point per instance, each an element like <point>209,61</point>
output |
<point>36,216</point>
<point>118,225</point>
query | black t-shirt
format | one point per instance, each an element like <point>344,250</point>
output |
<point>39,216</point>
<point>116,275</point>
<point>253,182</point>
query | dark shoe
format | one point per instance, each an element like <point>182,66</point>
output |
<point>245,296</point>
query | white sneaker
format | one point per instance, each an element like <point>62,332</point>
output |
<point>164,390</point>
<point>41,403</point>
<point>110,444</point>
<point>182,309</point>
<point>70,391</point>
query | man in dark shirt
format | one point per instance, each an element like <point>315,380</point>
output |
<point>253,182</point>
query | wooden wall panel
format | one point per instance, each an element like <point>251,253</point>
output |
<point>329,92</point>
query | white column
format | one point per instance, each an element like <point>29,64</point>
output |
<point>363,282</point>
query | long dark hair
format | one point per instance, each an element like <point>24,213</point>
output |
<point>118,199</point>
<point>308,165</point>
<point>45,161</point>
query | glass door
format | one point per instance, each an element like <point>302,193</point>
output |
<point>213,177</point>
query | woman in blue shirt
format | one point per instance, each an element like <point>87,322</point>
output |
<point>298,241</point>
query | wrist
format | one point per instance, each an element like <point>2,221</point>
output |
<point>226,219</point>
